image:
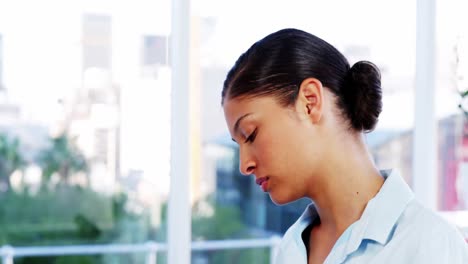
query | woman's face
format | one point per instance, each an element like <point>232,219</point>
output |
<point>278,145</point>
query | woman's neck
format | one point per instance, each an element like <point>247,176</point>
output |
<point>348,181</point>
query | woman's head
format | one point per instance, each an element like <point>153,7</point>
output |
<point>277,65</point>
<point>297,89</point>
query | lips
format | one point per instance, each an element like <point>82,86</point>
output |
<point>259,181</point>
<point>262,182</point>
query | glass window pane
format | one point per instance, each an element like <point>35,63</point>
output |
<point>84,126</point>
<point>221,34</point>
<point>451,40</point>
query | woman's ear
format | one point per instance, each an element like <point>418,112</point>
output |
<point>310,99</point>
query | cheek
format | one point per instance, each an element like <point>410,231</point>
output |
<point>277,152</point>
<point>263,146</point>
<point>280,159</point>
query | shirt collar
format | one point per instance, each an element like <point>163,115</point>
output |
<point>382,212</point>
<point>379,217</point>
<point>307,217</point>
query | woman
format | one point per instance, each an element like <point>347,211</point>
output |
<point>298,112</point>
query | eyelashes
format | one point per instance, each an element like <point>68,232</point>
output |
<point>251,137</point>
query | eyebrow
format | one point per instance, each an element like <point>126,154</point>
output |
<point>236,125</point>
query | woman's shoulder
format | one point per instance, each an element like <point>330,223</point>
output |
<point>418,216</point>
<point>424,236</point>
<point>429,230</point>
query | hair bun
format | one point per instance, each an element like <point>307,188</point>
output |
<point>363,95</point>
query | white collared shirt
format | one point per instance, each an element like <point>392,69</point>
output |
<point>394,228</point>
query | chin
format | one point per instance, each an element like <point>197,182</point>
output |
<point>282,200</point>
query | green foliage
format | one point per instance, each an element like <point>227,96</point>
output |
<point>86,228</point>
<point>463,104</point>
<point>59,260</point>
<point>217,222</point>
<point>64,215</point>
<point>70,215</point>
<point>77,260</point>
<point>257,256</point>
<point>224,223</point>
<point>54,217</point>
<point>62,157</point>
<point>10,159</point>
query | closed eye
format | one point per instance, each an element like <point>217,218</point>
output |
<point>251,137</point>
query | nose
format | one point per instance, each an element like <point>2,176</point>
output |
<point>247,164</point>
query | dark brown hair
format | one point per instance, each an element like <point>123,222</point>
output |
<point>277,64</point>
